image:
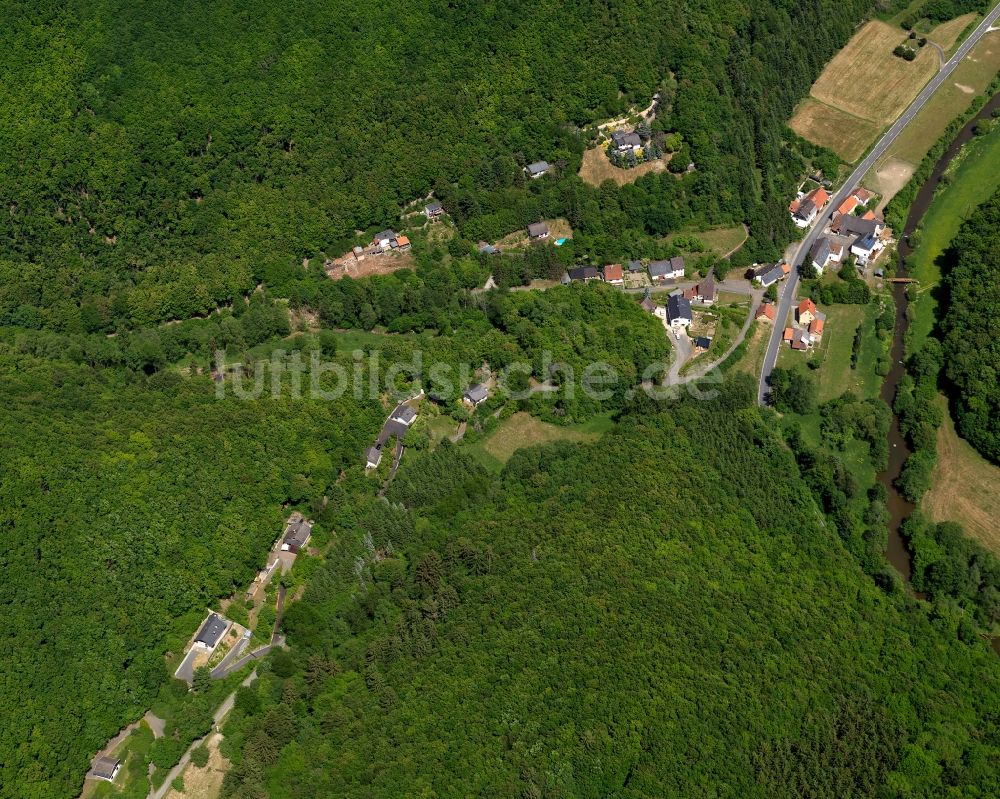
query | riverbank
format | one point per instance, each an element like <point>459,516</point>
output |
<point>940,206</point>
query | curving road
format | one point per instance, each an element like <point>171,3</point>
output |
<point>791,285</point>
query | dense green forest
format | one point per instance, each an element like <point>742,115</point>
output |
<point>161,158</point>
<point>970,347</point>
<point>688,626</point>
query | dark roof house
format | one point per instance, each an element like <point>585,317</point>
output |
<point>106,768</point>
<point>373,456</point>
<point>635,266</point>
<point>404,414</point>
<point>849,225</point>
<point>678,309</point>
<point>212,631</point>
<point>433,209</point>
<point>538,230</point>
<point>297,535</point>
<point>583,273</point>
<point>625,140</point>
<point>476,394</point>
<point>706,289</point>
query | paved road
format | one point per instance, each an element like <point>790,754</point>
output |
<point>791,285</point>
<point>223,669</point>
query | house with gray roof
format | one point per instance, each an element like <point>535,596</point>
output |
<point>476,394</point>
<point>537,231</point>
<point>373,457</point>
<point>433,210</point>
<point>670,269</point>
<point>297,534</point>
<point>635,266</point>
<point>106,768</point>
<point>770,275</point>
<point>537,169</point>
<point>623,141</point>
<point>404,414</point>
<point>584,274</point>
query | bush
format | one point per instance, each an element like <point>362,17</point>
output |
<point>199,756</point>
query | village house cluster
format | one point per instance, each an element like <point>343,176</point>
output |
<point>854,228</point>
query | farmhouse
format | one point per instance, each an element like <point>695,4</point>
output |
<point>584,274</point>
<point>537,169</point>
<point>623,141</point>
<point>856,226</point>
<point>433,210</point>
<point>297,534</point>
<point>476,394</point>
<point>678,311</point>
<point>673,268</point>
<point>211,632</point>
<point>848,205</point>
<point>106,768</point>
<point>614,275</point>
<point>797,338</point>
<point>538,231</point>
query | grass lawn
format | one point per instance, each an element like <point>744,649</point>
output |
<point>833,354</point>
<point>973,177</point>
<point>596,168</point>
<point>720,241</point>
<point>440,427</point>
<point>965,488</point>
<point>558,229</point>
<point>752,360</point>
<point>523,430</point>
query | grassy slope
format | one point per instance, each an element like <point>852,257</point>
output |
<point>522,430</point>
<point>972,179</point>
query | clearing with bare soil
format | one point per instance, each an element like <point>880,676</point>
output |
<point>204,783</point>
<point>596,168</point>
<point>965,489</point>
<point>383,264</point>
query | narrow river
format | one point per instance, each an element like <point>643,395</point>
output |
<point>899,507</point>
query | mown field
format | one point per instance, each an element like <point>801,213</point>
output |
<point>596,168</point>
<point>966,487</point>
<point>861,90</point>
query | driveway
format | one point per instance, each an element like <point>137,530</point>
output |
<point>791,285</point>
<point>186,670</point>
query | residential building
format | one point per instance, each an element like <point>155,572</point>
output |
<point>806,311</point>
<point>537,169</point>
<point>614,275</point>
<point>866,248</point>
<point>584,274</point>
<point>678,311</point>
<point>824,252</point>
<point>537,231</point>
<point>623,141</point>
<point>672,269</point>
<point>636,266</point>
<point>766,312</point>
<point>297,534</point>
<point>797,338</point>
<point>770,274</point>
<point>476,394</point>
<point>211,632</point>
<point>648,305</point>
<point>433,210</point>
<point>863,196</point>
<point>384,240</point>
<point>373,457</point>
<point>848,205</point>
<point>106,768</point>
<point>805,209</point>
<point>702,342</point>
<point>404,414</point>
<point>706,289</point>
<point>402,243</point>
<point>816,328</point>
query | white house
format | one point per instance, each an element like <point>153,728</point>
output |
<point>866,248</point>
<point>404,414</point>
<point>106,768</point>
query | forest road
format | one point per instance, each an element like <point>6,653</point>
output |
<point>791,285</point>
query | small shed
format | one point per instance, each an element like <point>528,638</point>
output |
<point>106,768</point>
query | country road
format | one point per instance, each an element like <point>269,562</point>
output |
<point>791,285</point>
